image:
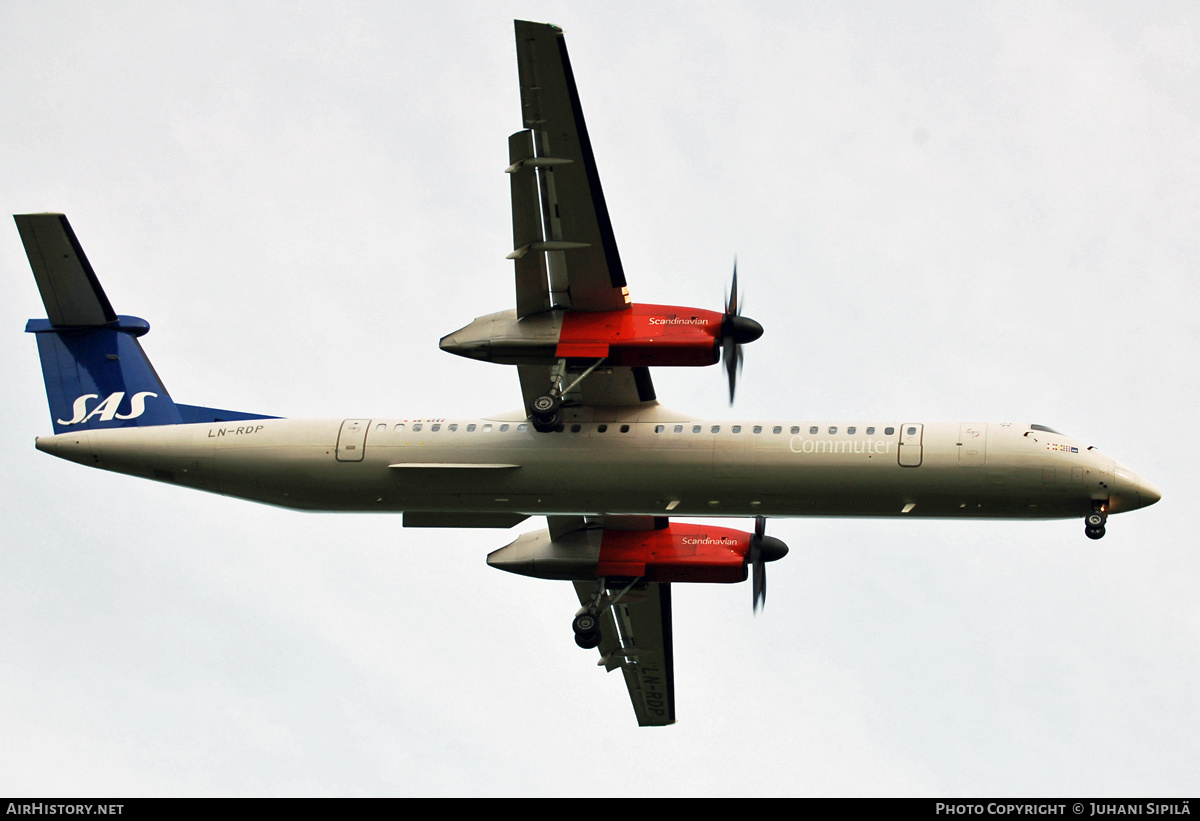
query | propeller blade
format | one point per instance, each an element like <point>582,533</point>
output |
<point>756,558</point>
<point>731,304</point>
<point>760,584</point>
<point>763,549</point>
<point>735,331</point>
<point>729,351</point>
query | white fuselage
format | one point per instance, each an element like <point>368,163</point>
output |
<point>648,462</point>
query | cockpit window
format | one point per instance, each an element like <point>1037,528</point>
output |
<point>1045,429</point>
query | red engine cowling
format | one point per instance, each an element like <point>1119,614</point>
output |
<point>660,335</point>
<point>676,553</point>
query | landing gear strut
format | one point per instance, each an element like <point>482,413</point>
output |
<point>546,410</point>
<point>586,623</point>
<point>1093,525</point>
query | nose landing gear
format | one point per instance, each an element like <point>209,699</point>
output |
<point>1093,524</point>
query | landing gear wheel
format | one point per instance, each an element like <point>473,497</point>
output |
<point>545,405</point>
<point>1095,520</point>
<point>585,623</point>
<point>1094,532</point>
<point>546,424</point>
<point>588,641</point>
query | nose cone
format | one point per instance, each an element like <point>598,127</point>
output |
<point>1132,491</point>
<point>1147,493</point>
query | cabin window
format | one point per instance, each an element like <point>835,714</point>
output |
<point>435,428</point>
<point>695,428</point>
<point>504,428</point>
<point>814,430</point>
<point>851,431</point>
<point>486,428</point>
<point>737,428</point>
<point>521,428</point>
<point>716,429</point>
<point>624,428</point>
<point>399,427</point>
<point>679,428</point>
<point>417,427</point>
<point>832,429</point>
<point>659,428</point>
<point>870,431</point>
<point>601,428</point>
<point>576,428</point>
<point>795,429</point>
<point>777,429</point>
<point>888,431</point>
<point>912,431</point>
<point>758,428</point>
<point>381,427</point>
<point>471,428</point>
<point>453,426</point>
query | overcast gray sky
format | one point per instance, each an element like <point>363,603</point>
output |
<point>941,211</point>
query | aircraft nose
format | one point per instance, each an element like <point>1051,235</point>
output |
<point>1134,491</point>
<point>1148,493</point>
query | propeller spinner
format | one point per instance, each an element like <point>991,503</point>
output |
<point>736,330</point>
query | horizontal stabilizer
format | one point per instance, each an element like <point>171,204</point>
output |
<point>69,287</point>
<point>190,414</point>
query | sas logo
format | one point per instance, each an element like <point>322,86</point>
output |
<point>106,411</point>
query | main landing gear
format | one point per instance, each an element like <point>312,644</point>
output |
<point>587,630</point>
<point>1093,525</point>
<point>546,410</point>
<point>586,623</point>
<point>546,414</point>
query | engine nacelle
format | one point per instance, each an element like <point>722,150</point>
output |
<point>676,553</point>
<point>658,335</point>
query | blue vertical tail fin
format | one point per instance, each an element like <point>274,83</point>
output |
<point>96,373</point>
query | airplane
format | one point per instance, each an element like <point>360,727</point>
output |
<point>591,449</point>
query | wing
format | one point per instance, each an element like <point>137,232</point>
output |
<point>558,204</point>
<point>636,632</point>
<point>637,639</point>
<point>565,252</point>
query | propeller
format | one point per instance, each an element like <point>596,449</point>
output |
<point>763,549</point>
<point>736,330</point>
